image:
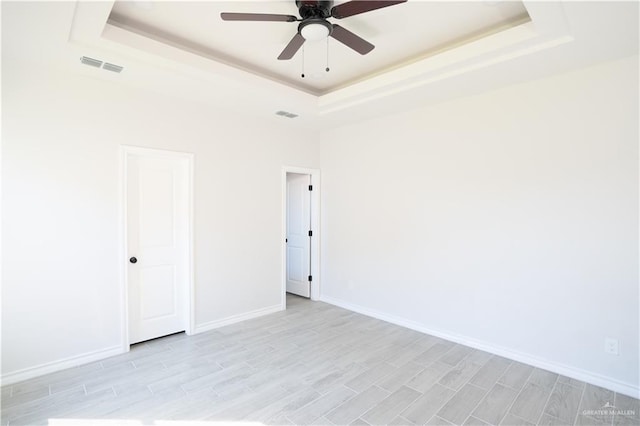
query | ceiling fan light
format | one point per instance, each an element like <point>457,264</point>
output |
<point>315,32</point>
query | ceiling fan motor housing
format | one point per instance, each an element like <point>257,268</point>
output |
<point>314,9</point>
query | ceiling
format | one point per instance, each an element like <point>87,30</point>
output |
<point>402,34</point>
<point>426,51</point>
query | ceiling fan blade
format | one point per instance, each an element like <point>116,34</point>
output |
<point>264,17</point>
<point>351,40</point>
<point>357,7</point>
<point>296,43</point>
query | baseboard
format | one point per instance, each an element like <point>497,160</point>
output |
<point>565,370</point>
<point>211,325</point>
<point>51,367</point>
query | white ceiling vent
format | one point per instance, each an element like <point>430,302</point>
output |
<point>286,114</point>
<point>100,64</point>
<point>91,62</point>
<point>111,67</point>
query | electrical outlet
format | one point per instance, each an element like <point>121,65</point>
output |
<point>611,346</point>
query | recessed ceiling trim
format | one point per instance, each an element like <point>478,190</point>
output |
<point>177,60</point>
<point>183,45</point>
<point>548,29</point>
<point>172,49</point>
<point>427,68</point>
<point>402,35</point>
<point>186,56</point>
<point>437,50</point>
<point>520,33</point>
<point>408,85</point>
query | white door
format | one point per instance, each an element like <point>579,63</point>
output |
<point>158,244</point>
<point>298,240</point>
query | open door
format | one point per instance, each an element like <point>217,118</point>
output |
<point>299,234</point>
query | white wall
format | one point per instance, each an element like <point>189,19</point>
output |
<point>61,135</point>
<point>507,220</point>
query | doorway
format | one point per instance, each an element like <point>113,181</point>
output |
<point>301,233</point>
<point>157,243</point>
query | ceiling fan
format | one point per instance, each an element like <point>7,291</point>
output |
<point>314,24</point>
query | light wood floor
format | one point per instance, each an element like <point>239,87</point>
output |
<point>312,364</point>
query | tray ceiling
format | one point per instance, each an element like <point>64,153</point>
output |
<point>557,37</point>
<point>403,34</point>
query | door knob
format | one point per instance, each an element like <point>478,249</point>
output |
<point>133,260</point>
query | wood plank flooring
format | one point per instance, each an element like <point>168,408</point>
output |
<point>311,364</point>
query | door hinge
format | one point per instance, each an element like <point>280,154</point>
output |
<point>310,278</point>
<point>311,233</point>
<point>310,187</point>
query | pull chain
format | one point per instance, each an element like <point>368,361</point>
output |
<point>327,69</point>
<point>302,74</point>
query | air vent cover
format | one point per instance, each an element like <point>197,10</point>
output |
<point>100,64</point>
<point>91,62</point>
<point>286,114</point>
<point>111,67</point>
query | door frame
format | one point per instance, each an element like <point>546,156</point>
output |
<point>315,226</point>
<point>189,301</point>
